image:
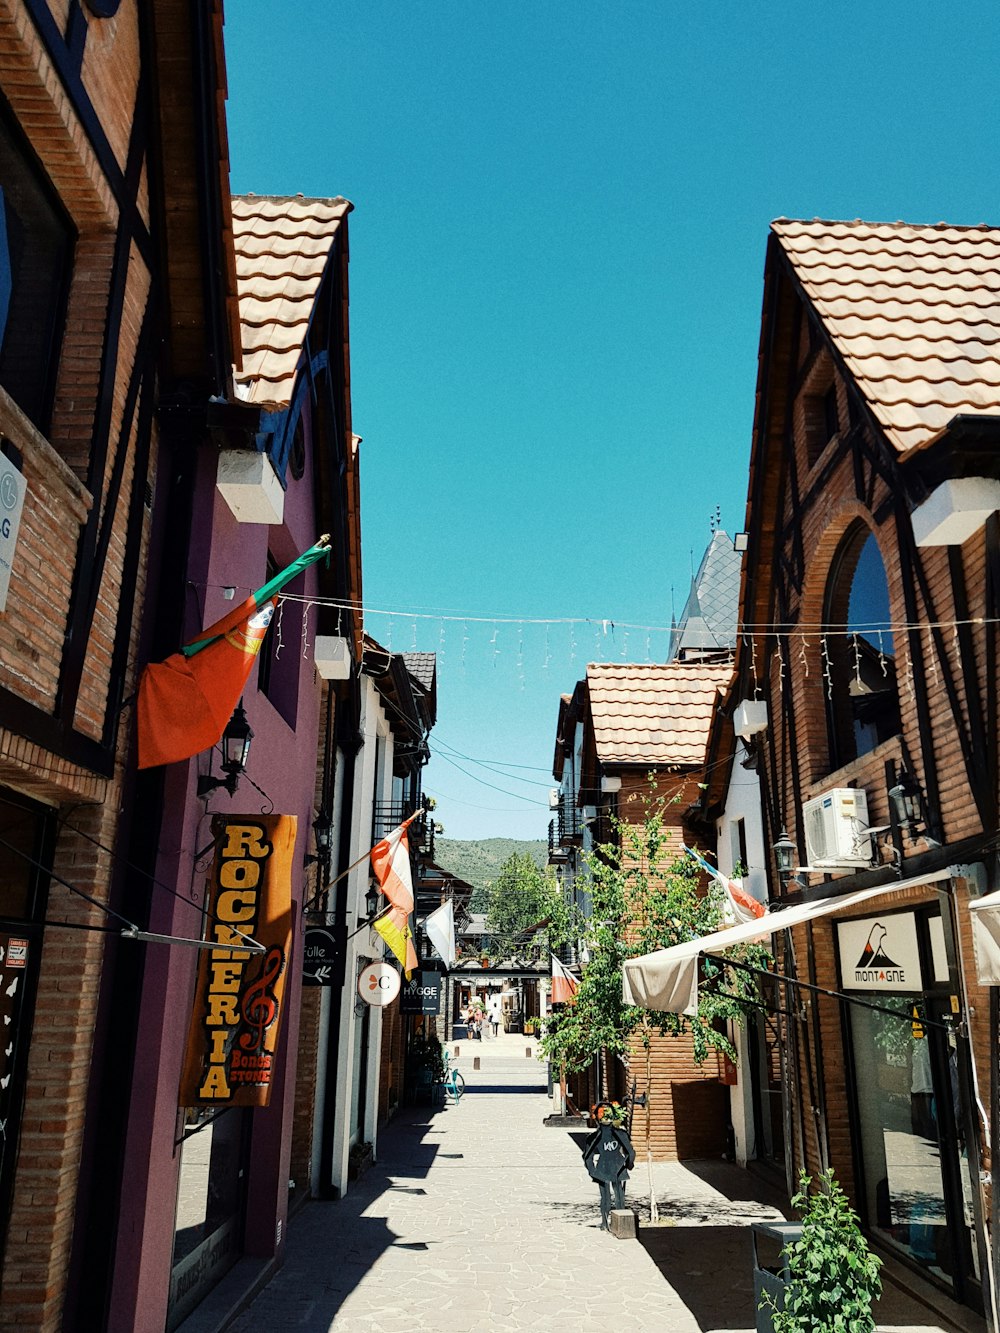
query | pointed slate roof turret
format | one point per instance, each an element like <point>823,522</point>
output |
<point>708,623</point>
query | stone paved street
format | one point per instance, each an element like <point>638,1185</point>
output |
<point>477,1218</point>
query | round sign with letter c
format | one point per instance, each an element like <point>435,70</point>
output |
<point>378,984</point>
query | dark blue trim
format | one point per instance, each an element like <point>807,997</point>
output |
<point>278,428</point>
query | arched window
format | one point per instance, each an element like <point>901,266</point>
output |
<point>862,700</point>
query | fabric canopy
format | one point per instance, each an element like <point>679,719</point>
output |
<point>668,979</point>
<point>985,915</point>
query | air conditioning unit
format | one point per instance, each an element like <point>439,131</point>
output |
<point>836,828</point>
<point>555,796</point>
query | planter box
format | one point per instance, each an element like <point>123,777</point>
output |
<point>770,1280</point>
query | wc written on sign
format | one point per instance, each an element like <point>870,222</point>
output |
<point>422,993</point>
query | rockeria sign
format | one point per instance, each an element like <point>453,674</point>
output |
<point>238,998</point>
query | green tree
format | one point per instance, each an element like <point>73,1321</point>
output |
<point>527,912</point>
<point>645,895</point>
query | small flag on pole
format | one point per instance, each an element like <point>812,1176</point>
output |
<point>185,701</point>
<point>391,864</point>
<point>564,984</point>
<point>743,906</point>
<point>440,928</point>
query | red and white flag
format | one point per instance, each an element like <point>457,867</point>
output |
<point>743,906</point>
<point>564,984</point>
<point>391,864</point>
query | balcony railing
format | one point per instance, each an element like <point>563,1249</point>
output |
<point>390,814</point>
<point>568,820</point>
<point>557,851</point>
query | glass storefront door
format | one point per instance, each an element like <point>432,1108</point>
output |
<point>915,1180</point>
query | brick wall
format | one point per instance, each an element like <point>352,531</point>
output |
<point>33,631</point>
<point>689,1107</point>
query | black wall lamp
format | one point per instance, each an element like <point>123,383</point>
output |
<point>371,905</point>
<point>906,802</point>
<point>784,855</point>
<point>235,752</point>
<point>323,833</point>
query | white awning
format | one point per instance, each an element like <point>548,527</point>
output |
<point>985,915</point>
<point>668,979</point>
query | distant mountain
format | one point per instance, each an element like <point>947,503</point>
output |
<point>478,861</point>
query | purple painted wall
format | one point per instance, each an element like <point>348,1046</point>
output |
<point>283,763</point>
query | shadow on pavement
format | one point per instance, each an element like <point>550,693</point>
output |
<point>710,1268</point>
<point>534,1089</point>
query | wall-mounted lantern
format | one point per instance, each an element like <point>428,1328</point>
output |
<point>235,752</point>
<point>906,800</point>
<point>784,855</point>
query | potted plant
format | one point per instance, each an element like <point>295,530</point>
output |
<point>832,1277</point>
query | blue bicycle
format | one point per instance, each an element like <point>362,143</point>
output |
<point>453,1082</point>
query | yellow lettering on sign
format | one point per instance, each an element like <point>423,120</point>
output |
<point>245,840</point>
<point>225,976</point>
<point>217,1055</point>
<point>233,906</point>
<point>215,1085</point>
<point>239,874</point>
<point>221,1010</point>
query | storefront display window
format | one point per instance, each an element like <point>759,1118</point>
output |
<point>209,1218</point>
<point>914,1183</point>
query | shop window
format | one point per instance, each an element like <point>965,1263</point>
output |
<point>281,651</point>
<point>36,247</point>
<point>211,1199</point>
<point>860,665</point>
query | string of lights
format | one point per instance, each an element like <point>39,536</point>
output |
<point>608,626</point>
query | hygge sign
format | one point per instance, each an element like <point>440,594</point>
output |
<point>880,953</point>
<point>422,994</point>
<point>12,489</point>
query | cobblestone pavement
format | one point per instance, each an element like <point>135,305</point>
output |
<point>479,1219</point>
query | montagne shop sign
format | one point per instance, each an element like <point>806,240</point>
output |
<point>880,953</point>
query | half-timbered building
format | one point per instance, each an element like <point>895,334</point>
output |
<point>869,637</point>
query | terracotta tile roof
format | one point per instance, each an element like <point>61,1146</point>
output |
<point>282,246</point>
<point>915,312</point>
<point>654,714</point>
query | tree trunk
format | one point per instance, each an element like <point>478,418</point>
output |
<point>654,1212</point>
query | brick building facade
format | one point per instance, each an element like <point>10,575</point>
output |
<point>87,351</point>
<point>628,736</point>
<point>870,611</point>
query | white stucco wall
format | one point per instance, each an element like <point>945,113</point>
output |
<point>742,801</point>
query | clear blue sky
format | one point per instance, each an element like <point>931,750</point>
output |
<point>556,260</point>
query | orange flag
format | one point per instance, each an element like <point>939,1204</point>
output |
<point>185,702</point>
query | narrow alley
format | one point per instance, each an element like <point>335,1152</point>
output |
<point>479,1218</point>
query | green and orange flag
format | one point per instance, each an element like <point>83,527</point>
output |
<point>185,701</point>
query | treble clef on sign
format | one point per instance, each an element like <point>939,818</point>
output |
<point>259,1007</point>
